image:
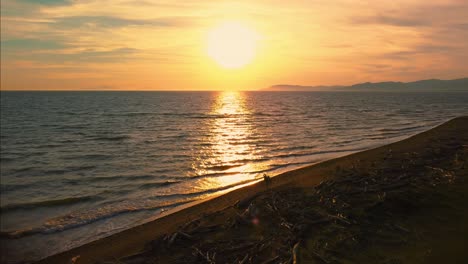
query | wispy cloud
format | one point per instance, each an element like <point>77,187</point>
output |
<point>78,57</point>
<point>31,44</point>
<point>47,2</point>
<point>390,20</point>
<point>120,54</point>
<point>426,50</point>
<point>114,21</point>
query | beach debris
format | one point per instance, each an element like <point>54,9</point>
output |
<point>206,229</point>
<point>172,238</point>
<point>74,260</point>
<point>246,201</point>
<point>194,223</point>
<point>244,260</point>
<point>340,218</point>
<point>319,257</point>
<point>400,228</point>
<point>185,235</point>
<point>271,260</point>
<point>242,246</point>
<point>295,253</point>
<point>266,179</point>
<point>132,259</point>
<point>209,257</point>
<point>168,240</point>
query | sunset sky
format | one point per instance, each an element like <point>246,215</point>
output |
<point>163,45</point>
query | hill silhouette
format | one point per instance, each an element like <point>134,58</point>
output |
<point>422,85</point>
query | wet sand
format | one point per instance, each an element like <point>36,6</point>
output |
<point>401,203</point>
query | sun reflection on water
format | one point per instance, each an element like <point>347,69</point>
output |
<point>230,145</point>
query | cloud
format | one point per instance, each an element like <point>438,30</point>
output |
<point>424,49</point>
<point>109,55</point>
<point>416,15</point>
<point>390,20</point>
<point>47,2</point>
<point>435,48</point>
<point>31,44</point>
<point>29,8</point>
<point>377,66</point>
<point>49,52</point>
<point>461,26</point>
<point>114,21</point>
<point>88,56</point>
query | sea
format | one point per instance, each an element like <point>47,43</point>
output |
<point>78,166</point>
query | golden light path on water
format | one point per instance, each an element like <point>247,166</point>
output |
<point>230,146</point>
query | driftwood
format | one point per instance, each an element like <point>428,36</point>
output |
<point>295,252</point>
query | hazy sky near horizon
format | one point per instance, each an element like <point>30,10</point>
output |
<point>161,45</point>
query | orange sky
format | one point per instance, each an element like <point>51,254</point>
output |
<point>161,45</point>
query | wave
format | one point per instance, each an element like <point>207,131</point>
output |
<point>346,142</point>
<point>23,169</point>
<point>48,203</point>
<point>157,184</point>
<point>120,178</point>
<point>202,115</point>
<point>68,113</point>
<point>72,127</point>
<point>54,171</point>
<point>83,217</point>
<point>139,113</point>
<point>13,187</point>
<point>401,129</point>
<point>132,114</point>
<point>7,159</point>
<point>204,192</point>
<point>111,138</point>
<point>46,172</point>
<point>91,157</point>
<point>224,167</point>
<point>293,148</point>
<point>290,155</point>
<point>208,175</point>
<point>267,114</point>
<point>51,145</point>
<point>81,167</point>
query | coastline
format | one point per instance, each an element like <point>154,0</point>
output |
<point>135,240</point>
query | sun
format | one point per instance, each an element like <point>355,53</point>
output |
<point>232,44</point>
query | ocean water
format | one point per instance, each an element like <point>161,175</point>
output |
<point>77,166</point>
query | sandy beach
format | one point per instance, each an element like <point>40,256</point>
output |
<point>400,203</point>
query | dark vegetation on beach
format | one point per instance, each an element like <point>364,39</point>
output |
<point>406,206</point>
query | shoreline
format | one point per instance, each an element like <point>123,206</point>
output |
<point>135,240</point>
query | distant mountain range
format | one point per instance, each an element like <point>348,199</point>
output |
<point>423,85</point>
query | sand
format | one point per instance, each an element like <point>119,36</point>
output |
<point>401,203</point>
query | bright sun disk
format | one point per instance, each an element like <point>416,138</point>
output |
<point>232,45</point>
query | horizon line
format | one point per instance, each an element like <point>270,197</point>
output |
<point>325,87</point>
